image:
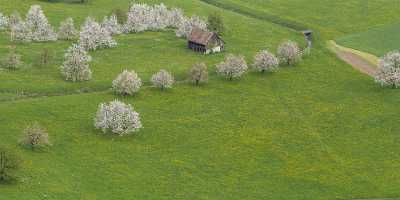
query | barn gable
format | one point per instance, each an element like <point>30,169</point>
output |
<point>205,41</point>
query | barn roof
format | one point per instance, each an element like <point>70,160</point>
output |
<point>200,37</point>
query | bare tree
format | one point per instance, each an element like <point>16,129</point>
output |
<point>35,136</point>
<point>198,73</point>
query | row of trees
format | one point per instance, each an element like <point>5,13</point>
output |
<point>121,119</point>
<point>35,27</point>
<point>143,17</point>
<point>140,17</point>
<point>76,68</point>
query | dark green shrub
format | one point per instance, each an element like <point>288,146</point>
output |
<point>121,15</point>
<point>215,23</point>
<point>9,164</point>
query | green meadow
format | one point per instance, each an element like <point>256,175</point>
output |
<point>331,18</point>
<point>318,130</point>
<point>378,41</point>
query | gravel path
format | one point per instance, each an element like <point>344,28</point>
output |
<point>357,62</point>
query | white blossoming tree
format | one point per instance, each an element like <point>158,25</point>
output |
<point>39,25</point>
<point>162,79</point>
<point>138,18</point>
<point>15,18</point>
<point>265,61</point>
<point>93,37</point>
<point>3,21</point>
<point>175,17</point>
<point>118,118</point>
<point>142,17</point>
<point>21,32</point>
<point>76,64</point>
<point>186,26</point>
<point>159,17</point>
<point>67,30</point>
<point>389,70</point>
<point>289,53</point>
<point>111,25</point>
<point>127,83</point>
<point>232,67</point>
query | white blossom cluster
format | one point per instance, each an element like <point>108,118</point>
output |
<point>111,25</point>
<point>187,24</point>
<point>76,64</point>
<point>117,117</point>
<point>162,79</point>
<point>3,21</point>
<point>127,83</point>
<point>67,30</point>
<point>20,31</point>
<point>39,25</point>
<point>389,70</point>
<point>232,67</point>
<point>142,17</point>
<point>289,52</point>
<point>93,36</point>
<point>265,61</point>
<point>14,19</point>
<point>35,28</point>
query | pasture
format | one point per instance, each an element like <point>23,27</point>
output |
<point>332,18</point>
<point>377,41</point>
<point>318,130</point>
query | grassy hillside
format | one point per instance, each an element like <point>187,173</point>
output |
<point>377,41</point>
<point>331,18</point>
<point>319,130</point>
<point>145,53</point>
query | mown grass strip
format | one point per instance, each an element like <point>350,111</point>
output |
<point>258,15</point>
<point>372,59</point>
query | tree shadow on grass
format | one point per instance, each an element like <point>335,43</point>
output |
<point>65,1</point>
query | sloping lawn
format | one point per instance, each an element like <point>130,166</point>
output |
<point>378,41</point>
<point>319,130</point>
<point>332,18</point>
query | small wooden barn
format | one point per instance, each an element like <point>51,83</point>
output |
<point>205,41</point>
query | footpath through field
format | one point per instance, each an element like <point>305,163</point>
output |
<point>363,62</point>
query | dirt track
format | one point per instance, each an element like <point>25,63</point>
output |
<point>357,62</point>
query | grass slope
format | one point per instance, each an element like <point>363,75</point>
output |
<point>331,18</point>
<point>144,53</point>
<point>377,41</point>
<point>319,130</point>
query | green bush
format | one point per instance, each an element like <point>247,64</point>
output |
<point>9,164</point>
<point>216,23</point>
<point>121,15</point>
